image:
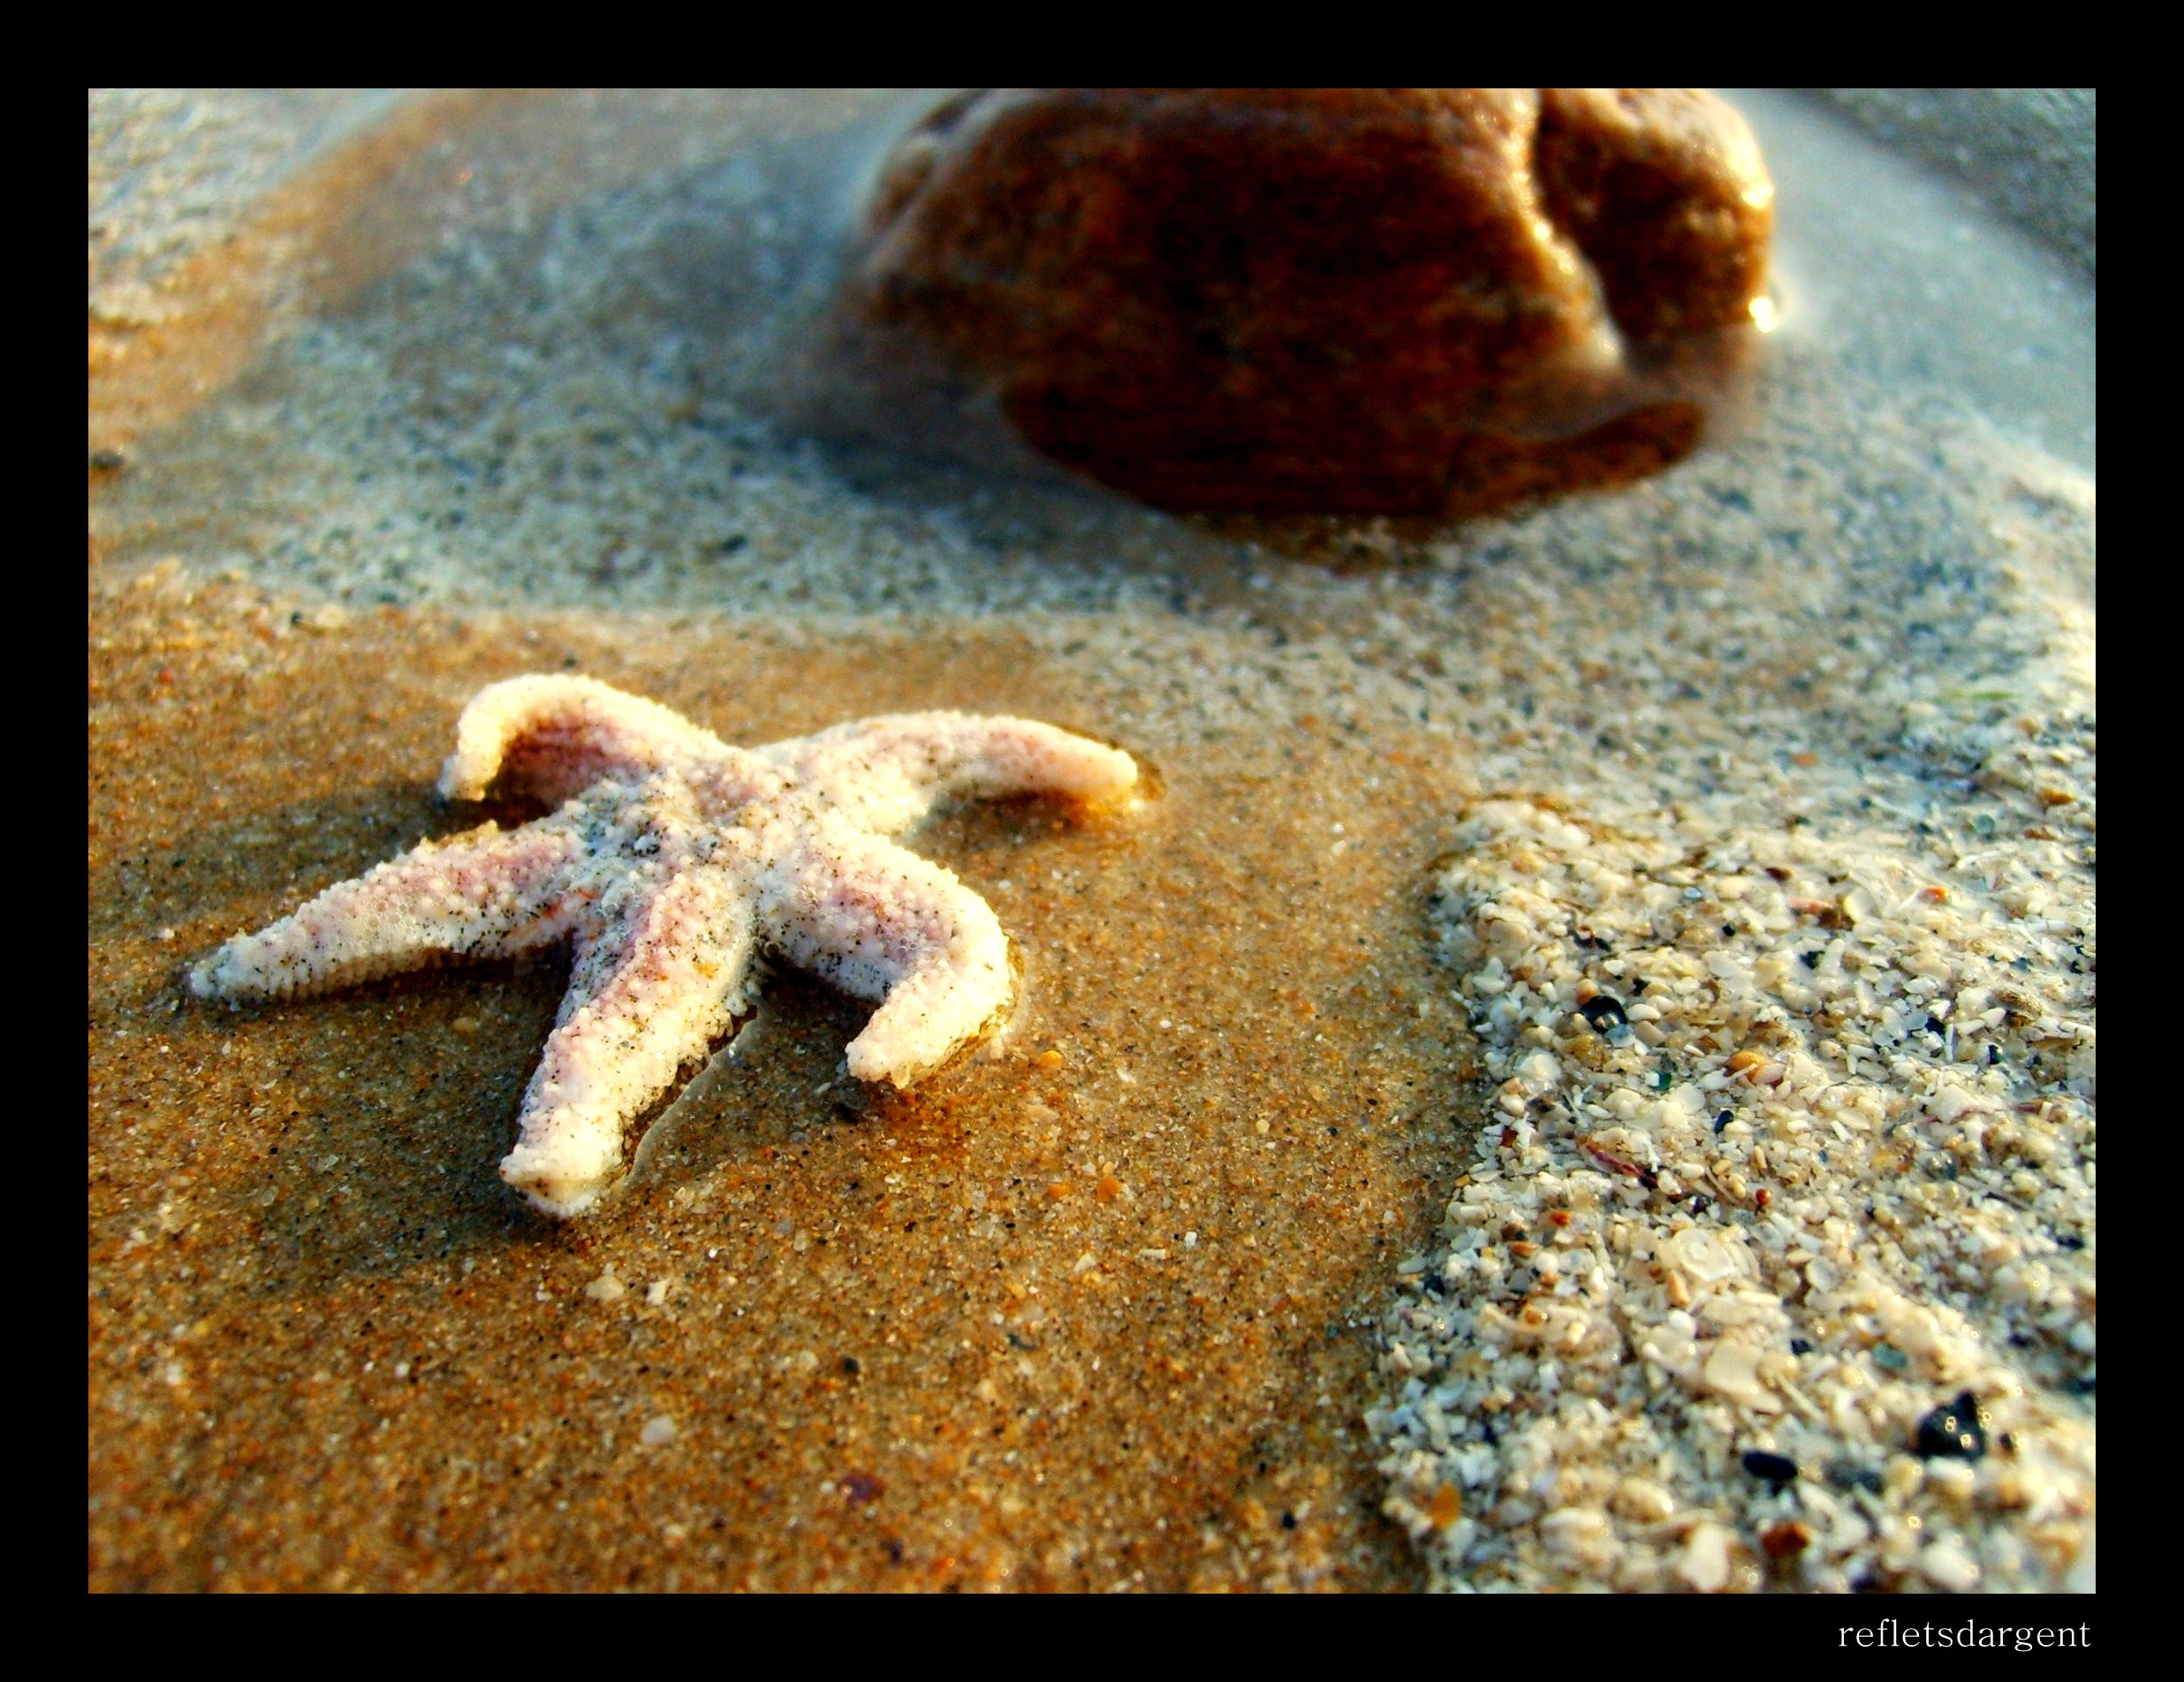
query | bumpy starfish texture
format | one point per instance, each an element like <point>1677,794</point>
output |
<point>672,861</point>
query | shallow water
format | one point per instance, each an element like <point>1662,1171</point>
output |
<point>1909,281</point>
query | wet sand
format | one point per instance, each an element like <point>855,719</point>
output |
<point>1088,1310</point>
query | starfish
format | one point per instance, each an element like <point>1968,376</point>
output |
<point>673,861</point>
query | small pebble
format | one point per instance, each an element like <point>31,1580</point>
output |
<point>1845,1474</point>
<point>1954,1430</point>
<point>1775,1468</point>
<point>1947,1566</point>
<point>1704,1561</point>
<point>1603,1012</point>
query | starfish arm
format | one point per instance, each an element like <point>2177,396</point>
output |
<point>661,976</point>
<point>888,773</point>
<point>487,894</point>
<point>879,922</point>
<point>552,736</point>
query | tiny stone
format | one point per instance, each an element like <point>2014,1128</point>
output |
<point>1774,1468</point>
<point>1603,1011</point>
<point>1846,1475</point>
<point>1954,1430</point>
<point>1704,1561</point>
<point>1947,1566</point>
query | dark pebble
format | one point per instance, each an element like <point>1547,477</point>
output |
<point>1846,1474</point>
<point>1605,1013</point>
<point>1799,1346</point>
<point>1776,1469</point>
<point>1953,1431</point>
<point>860,1488</point>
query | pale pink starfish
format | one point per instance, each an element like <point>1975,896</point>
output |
<point>672,862</point>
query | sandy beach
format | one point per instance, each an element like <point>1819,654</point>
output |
<point>1214,1269</point>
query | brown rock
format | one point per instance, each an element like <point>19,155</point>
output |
<point>1367,301</point>
<point>1663,191</point>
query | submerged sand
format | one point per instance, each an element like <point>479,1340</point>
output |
<point>1121,1304</point>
